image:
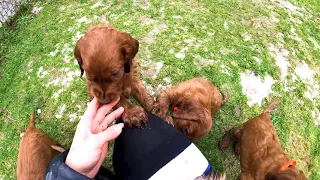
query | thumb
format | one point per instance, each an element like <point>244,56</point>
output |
<point>109,134</point>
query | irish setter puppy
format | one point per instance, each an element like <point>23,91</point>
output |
<point>35,152</point>
<point>261,155</point>
<point>107,57</point>
<point>194,102</point>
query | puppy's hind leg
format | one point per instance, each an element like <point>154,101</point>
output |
<point>225,141</point>
<point>232,134</point>
<point>236,133</point>
<point>236,148</point>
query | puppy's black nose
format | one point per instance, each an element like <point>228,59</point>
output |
<point>104,101</point>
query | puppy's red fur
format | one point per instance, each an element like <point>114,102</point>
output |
<point>197,100</point>
<point>108,58</point>
<point>261,155</point>
<point>35,153</point>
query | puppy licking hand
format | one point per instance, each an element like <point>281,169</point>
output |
<point>108,58</point>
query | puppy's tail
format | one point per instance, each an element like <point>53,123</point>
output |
<point>58,148</point>
<point>31,123</point>
<point>269,108</point>
<point>224,98</point>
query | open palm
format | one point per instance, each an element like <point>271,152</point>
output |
<point>90,143</point>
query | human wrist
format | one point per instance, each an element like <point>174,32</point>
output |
<point>75,166</point>
<point>58,169</point>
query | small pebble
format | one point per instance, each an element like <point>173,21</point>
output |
<point>21,134</point>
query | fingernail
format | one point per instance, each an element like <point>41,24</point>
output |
<point>119,127</point>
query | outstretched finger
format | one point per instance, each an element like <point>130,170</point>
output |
<point>109,134</point>
<point>102,111</point>
<point>91,109</point>
<point>111,117</point>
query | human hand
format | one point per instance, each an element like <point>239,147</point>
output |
<point>90,142</point>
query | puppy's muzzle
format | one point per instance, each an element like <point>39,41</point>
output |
<point>105,101</point>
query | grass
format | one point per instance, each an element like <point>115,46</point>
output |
<point>218,41</point>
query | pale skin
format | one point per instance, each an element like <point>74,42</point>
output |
<point>90,143</point>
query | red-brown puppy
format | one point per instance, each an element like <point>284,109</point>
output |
<point>261,155</point>
<point>194,102</point>
<point>35,153</point>
<point>108,58</point>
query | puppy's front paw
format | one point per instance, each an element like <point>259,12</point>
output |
<point>134,116</point>
<point>169,120</point>
<point>150,104</point>
<point>159,110</point>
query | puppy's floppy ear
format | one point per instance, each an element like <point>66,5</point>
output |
<point>129,49</point>
<point>191,110</point>
<point>77,55</point>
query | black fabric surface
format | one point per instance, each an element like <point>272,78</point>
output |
<point>141,152</point>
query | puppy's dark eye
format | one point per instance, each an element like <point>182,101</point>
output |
<point>115,73</point>
<point>186,131</point>
<point>178,104</point>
